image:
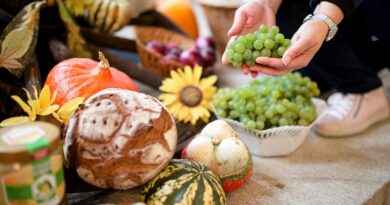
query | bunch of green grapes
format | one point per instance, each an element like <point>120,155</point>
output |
<point>269,102</point>
<point>264,42</point>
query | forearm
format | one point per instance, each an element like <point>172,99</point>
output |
<point>331,10</point>
<point>273,4</point>
<point>347,6</point>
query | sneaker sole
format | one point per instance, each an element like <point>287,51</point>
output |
<point>356,130</point>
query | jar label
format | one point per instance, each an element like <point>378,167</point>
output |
<point>39,183</point>
<point>23,135</point>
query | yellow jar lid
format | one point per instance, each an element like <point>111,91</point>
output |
<point>28,141</point>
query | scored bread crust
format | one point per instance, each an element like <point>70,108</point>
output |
<point>120,139</point>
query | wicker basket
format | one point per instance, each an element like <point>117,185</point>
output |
<point>152,60</point>
<point>279,141</point>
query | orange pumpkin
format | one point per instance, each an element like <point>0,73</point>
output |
<point>83,77</point>
<point>180,12</point>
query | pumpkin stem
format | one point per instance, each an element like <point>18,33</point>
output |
<point>103,64</point>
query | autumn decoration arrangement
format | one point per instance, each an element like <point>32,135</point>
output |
<point>117,137</point>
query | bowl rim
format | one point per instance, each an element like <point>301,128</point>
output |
<point>319,103</point>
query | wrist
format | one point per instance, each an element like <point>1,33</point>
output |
<point>331,10</point>
<point>321,21</point>
<point>321,27</point>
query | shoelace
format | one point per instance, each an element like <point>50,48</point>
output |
<point>340,105</point>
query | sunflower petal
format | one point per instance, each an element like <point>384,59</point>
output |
<point>197,73</point>
<point>181,74</point>
<point>14,121</point>
<point>170,82</point>
<point>175,109</point>
<point>205,119</point>
<point>169,88</point>
<point>22,104</point>
<point>209,93</point>
<point>44,97</point>
<point>187,113</point>
<point>206,104</point>
<point>204,111</point>
<point>187,119</point>
<point>49,110</point>
<point>195,116</point>
<point>207,82</point>
<point>176,77</point>
<point>188,75</point>
<point>183,113</point>
<point>168,99</point>
<point>193,121</point>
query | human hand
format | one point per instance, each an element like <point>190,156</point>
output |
<point>305,44</point>
<point>249,17</point>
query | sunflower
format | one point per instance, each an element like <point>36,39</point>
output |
<point>187,96</point>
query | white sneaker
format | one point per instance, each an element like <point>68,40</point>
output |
<point>350,114</point>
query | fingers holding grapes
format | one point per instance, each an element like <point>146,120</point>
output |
<point>247,19</point>
<point>224,59</point>
<point>264,43</point>
<point>306,42</point>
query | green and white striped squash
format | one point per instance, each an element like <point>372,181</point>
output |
<point>109,15</point>
<point>184,182</point>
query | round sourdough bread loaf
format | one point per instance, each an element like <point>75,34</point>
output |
<point>120,139</point>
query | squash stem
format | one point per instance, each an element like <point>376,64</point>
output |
<point>103,64</point>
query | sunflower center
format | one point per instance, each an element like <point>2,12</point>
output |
<point>190,96</point>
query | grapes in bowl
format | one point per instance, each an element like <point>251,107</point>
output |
<point>273,115</point>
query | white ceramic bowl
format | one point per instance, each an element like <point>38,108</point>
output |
<point>276,142</point>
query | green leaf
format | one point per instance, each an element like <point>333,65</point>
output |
<point>11,64</point>
<point>65,16</point>
<point>19,40</point>
<point>75,41</point>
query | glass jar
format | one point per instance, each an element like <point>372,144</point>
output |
<point>31,169</point>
